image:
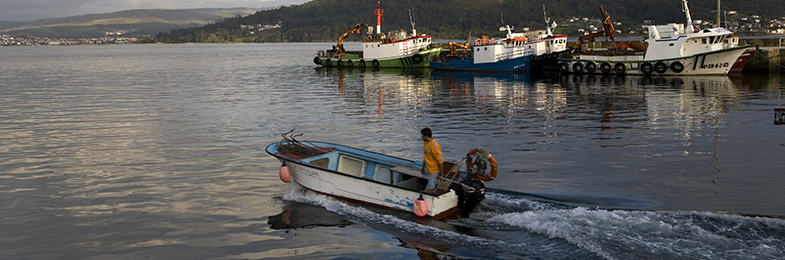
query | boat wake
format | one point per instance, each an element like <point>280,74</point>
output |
<point>517,225</point>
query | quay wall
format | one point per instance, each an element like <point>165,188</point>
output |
<point>766,60</point>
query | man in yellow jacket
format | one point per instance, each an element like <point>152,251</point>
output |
<point>432,159</point>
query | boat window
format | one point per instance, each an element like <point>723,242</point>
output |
<point>703,40</point>
<point>383,174</point>
<point>712,39</point>
<point>324,162</point>
<point>352,166</point>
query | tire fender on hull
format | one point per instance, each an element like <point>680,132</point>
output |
<point>647,68</point>
<point>677,67</point>
<point>660,67</point>
<point>563,67</point>
<point>591,67</point>
<point>620,68</point>
<point>577,67</point>
<point>605,68</point>
<point>417,59</point>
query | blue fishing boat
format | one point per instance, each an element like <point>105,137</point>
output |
<point>516,52</point>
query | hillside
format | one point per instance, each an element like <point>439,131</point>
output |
<point>129,23</point>
<point>324,20</point>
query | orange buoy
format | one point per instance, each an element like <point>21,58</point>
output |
<point>283,173</point>
<point>420,207</point>
<point>494,168</point>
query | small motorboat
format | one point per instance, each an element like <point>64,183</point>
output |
<point>377,179</point>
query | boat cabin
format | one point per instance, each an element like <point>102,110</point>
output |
<point>673,41</point>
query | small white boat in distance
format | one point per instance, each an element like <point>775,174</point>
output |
<point>372,178</point>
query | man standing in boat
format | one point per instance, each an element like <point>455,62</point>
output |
<point>432,159</point>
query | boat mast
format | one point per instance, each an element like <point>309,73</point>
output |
<point>686,10</point>
<point>548,28</point>
<point>379,11</point>
<point>411,20</point>
<point>718,14</point>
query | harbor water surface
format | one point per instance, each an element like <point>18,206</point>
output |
<point>157,152</point>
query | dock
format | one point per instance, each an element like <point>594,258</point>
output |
<point>766,60</point>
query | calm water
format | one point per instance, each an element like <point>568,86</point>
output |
<point>156,152</point>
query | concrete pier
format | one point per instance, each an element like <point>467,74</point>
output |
<point>766,60</point>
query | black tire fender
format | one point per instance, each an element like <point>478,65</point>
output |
<point>577,67</point>
<point>591,67</point>
<point>563,67</point>
<point>620,68</point>
<point>417,58</point>
<point>677,66</point>
<point>647,68</point>
<point>660,67</point>
<point>605,68</point>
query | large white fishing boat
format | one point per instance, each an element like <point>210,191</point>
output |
<point>673,49</point>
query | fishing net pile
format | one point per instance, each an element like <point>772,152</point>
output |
<point>298,149</point>
<point>289,145</point>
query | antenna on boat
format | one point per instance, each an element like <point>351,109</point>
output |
<point>686,10</point>
<point>411,20</point>
<point>548,28</point>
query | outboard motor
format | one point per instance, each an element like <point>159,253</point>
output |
<point>470,192</point>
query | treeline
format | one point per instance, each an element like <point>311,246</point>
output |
<point>325,20</point>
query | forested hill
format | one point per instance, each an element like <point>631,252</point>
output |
<point>325,20</point>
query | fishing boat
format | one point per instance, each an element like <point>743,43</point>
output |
<point>395,49</point>
<point>673,49</point>
<point>515,52</point>
<point>377,179</point>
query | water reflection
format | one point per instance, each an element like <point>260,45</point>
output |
<point>619,133</point>
<point>297,215</point>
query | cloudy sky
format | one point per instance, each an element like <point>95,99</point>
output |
<point>29,10</point>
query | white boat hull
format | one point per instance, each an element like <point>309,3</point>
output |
<point>709,63</point>
<point>364,191</point>
<point>366,177</point>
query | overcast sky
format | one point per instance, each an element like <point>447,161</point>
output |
<point>29,10</point>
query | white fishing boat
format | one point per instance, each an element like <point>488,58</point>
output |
<point>673,49</point>
<point>372,178</point>
<point>396,49</point>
